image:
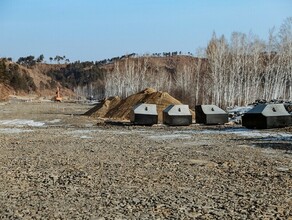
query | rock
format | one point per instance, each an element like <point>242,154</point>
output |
<point>136,200</point>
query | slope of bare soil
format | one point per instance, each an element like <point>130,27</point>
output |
<point>5,91</point>
<point>40,79</point>
<point>38,73</point>
<point>57,164</point>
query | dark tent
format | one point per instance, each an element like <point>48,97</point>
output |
<point>210,114</point>
<point>267,116</point>
<point>177,115</point>
<point>144,114</point>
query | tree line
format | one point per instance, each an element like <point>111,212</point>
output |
<point>31,60</point>
<point>135,55</point>
<point>228,73</point>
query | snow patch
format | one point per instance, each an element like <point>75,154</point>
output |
<point>244,132</point>
<point>21,123</point>
<point>236,113</point>
<point>170,136</point>
<point>54,121</point>
<point>13,130</point>
<point>240,109</point>
<point>80,132</point>
<point>85,137</point>
<point>265,135</point>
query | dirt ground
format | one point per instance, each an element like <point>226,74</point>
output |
<point>57,164</point>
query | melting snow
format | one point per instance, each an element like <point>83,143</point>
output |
<point>21,123</point>
<point>80,132</point>
<point>85,137</point>
<point>170,136</point>
<point>12,130</point>
<point>265,135</point>
<point>54,121</point>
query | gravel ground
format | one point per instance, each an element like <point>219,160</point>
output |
<point>57,164</point>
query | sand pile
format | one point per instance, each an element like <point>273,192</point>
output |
<point>102,108</point>
<point>122,109</point>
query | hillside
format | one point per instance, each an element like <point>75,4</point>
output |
<point>229,80</point>
<point>152,63</point>
<point>84,79</point>
<point>22,80</point>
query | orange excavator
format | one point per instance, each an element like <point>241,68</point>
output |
<point>58,98</point>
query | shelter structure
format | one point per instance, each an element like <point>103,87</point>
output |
<point>144,114</point>
<point>264,116</point>
<point>177,115</point>
<point>210,114</point>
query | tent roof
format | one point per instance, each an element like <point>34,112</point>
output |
<point>145,109</point>
<point>179,110</point>
<point>269,110</point>
<point>212,109</point>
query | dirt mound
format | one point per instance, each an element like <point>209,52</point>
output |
<point>102,108</point>
<point>122,110</point>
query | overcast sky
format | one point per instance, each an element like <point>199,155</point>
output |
<point>98,29</point>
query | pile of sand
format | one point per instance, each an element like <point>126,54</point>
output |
<point>116,108</point>
<point>102,108</point>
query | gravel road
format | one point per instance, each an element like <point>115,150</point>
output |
<point>57,164</point>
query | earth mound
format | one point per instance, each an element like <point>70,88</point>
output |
<point>121,110</point>
<point>102,108</point>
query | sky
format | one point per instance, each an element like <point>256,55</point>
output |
<point>90,30</point>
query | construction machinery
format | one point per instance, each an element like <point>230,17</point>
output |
<point>58,98</point>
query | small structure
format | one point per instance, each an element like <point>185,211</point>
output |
<point>210,114</point>
<point>144,114</point>
<point>177,115</point>
<point>264,116</point>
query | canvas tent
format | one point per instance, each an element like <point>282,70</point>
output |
<point>267,116</point>
<point>177,115</point>
<point>144,114</point>
<point>210,114</point>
